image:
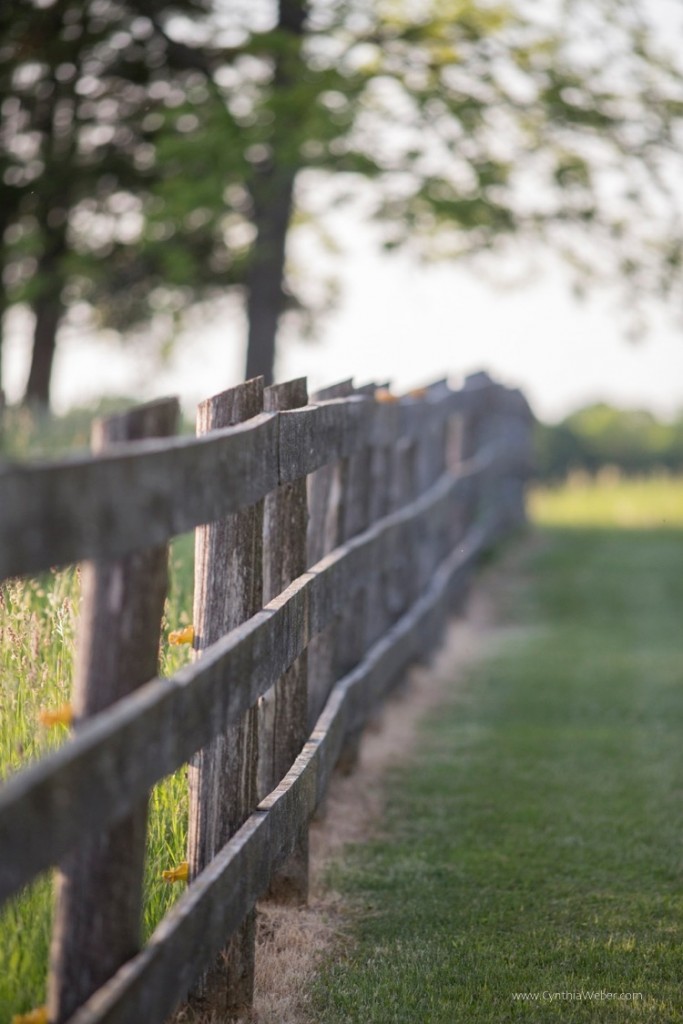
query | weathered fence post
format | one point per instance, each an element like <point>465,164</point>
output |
<point>223,775</point>
<point>351,634</point>
<point>325,507</point>
<point>283,726</point>
<point>429,547</point>
<point>401,487</point>
<point>516,431</point>
<point>99,886</point>
<point>476,432</point>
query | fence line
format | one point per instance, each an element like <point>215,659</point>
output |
<point>143,493</point>
<point>403,498</point>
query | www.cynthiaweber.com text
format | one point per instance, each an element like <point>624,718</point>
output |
<point>583,995</point>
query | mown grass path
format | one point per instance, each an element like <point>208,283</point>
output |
<point>531,864</point>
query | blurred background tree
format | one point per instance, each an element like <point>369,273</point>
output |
<point>155,154</point>
<point>632,441</point>
<point>91,93</point>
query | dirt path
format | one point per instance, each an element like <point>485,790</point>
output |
<point>293,942</point>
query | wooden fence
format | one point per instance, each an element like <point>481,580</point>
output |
<point>333,539</point>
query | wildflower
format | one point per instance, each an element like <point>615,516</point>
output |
<point>385,396</point>
<point>63,715</point>
<point>179,874</point>
<point>181,636</point>
<point>38,1016</point>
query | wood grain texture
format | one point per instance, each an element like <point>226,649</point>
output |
<point>349,635</point>
<point>223,775</point>
<point>283,723</point>
<point>316,435</point>
<point>324,531</point>
<point>99,885</point>
<point>136,496</point>
<point>173,718</point>
<point>146,492</point>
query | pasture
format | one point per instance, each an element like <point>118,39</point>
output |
<point>529,865</point>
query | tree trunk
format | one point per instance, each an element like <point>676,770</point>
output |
<point>272,194</point>
<point>267,270</point>
<point>48,311</point>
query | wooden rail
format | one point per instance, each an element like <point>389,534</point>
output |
<point>403,497</point>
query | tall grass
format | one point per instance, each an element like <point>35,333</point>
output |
<point>37,621</point>
<point>38,624</point>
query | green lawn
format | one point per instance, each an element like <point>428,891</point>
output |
<point>530,864</point>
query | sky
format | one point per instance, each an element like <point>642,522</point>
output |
<point>412,324</point>
<point>409,324</point>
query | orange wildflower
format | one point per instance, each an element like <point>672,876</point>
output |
<point>181,636</point>
<point>38,1016</point>
<point>181,873</point>
<point>63,715</point>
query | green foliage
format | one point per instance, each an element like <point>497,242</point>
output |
<point>92,89</point>
<point>532,843</point>
<point>38,619</point>
<point>633,441</point>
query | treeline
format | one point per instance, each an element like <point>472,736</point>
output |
<point>633,440</point>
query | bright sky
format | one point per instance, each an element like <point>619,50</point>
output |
<point>409,324</point>
<point>412,324</point>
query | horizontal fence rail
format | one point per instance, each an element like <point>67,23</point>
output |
<point>144,492</point>
<point>403,497</point>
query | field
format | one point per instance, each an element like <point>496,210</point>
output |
<point>612,501</point>
<point>529,865</point>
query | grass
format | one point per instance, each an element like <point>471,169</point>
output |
<point>531,854</point>
<point>30,434</point>
<point>611,500</point>
<point>37,630</point>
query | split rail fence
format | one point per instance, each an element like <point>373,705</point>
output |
<point>333,540</point>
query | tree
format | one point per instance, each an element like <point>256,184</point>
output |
<point>271,187</point>
<point>89,88</point>
<point>481,125</point>
<point>632,440</point>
